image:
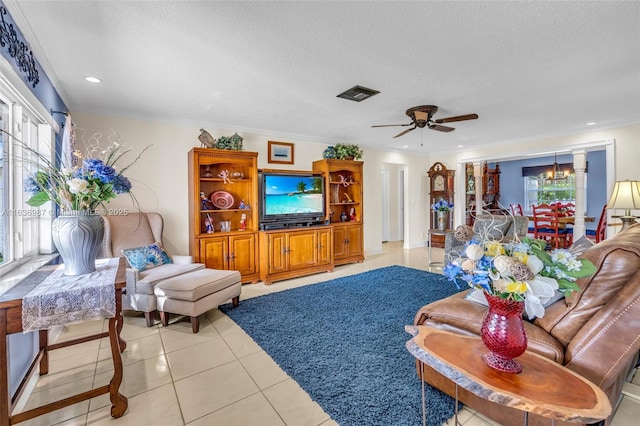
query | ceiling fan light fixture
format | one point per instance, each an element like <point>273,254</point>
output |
<point>422,116</point>
<point>358,93</point>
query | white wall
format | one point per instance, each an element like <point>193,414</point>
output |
<point>160,177</point>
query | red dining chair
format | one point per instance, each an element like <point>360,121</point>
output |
<point>547,227</point>
<point>516,209</point>
<point>600,234</point>
<point>568,209</point>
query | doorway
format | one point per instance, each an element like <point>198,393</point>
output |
<point>392,201</point>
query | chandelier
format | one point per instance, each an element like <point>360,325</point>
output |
<point>556,174</point>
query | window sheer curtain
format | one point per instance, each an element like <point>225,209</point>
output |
<point>24,230</point>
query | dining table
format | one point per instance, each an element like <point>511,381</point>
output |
<point>569,220</point>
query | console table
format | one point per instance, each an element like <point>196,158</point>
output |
<point>544,387</point>
<point>11,322</point>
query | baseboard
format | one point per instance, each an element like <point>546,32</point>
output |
<point>631,390</point>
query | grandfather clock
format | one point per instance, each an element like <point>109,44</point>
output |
<point>440,188</point>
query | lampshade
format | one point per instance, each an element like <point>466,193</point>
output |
<point>625,195</point>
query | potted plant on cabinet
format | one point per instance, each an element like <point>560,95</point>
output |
<point>348,151</point>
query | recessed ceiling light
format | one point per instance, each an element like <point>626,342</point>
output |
<point>405,146</point>
<point>460,146</point>
<point>91,79</point>
<point>591,123</point>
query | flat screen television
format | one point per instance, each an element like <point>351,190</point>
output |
<point>288,199</point>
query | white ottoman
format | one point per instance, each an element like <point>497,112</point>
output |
<point>196,292</point>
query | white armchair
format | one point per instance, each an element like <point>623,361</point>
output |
<point>137,230</point>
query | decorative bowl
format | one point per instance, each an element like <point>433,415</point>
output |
<point>222,200</point>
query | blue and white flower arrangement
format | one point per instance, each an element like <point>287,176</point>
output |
<point>84,184</point>
<point>441,206</point>
<point>521,271</point>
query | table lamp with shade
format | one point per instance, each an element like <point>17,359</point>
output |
<point>625,195</point>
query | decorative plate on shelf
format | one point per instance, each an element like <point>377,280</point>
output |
<point>222,200</point>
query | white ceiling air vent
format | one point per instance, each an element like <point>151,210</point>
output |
<point>358,93</point>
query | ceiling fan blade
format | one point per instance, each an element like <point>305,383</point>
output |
<point>404,132</point>
<point>421,115</point>
<point>392,125</point>
<point>441,128</point>
<point>457,118</point>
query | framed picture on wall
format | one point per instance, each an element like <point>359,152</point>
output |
<point>280,152</point>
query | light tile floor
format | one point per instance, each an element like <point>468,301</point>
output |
<point>216,377</point>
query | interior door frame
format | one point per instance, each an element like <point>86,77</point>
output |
<point>607,144</point>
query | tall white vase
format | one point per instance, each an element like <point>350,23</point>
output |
<point>77,235</point>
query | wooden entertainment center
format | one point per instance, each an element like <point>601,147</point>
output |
<point>223,187</point>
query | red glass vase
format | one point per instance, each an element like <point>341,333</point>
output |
<point>503,334</point>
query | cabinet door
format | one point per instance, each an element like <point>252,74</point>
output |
<point>242,253</point>
<point>277,252</point>
<point>214,252</point>
<point>339,242</point>
<point>302,249</point>
<point>354,240</point>
<point>324,246</point>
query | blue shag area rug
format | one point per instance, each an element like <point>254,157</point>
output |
<point>343,341</point>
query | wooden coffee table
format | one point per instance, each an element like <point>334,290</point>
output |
<point>544,387</point>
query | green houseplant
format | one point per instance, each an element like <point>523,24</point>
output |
<point>348,151</point>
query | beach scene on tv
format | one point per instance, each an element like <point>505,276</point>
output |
<point>293,194</point>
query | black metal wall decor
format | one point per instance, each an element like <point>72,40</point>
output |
<point>18,49</point>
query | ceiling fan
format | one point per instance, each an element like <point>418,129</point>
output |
<point>422,116</point>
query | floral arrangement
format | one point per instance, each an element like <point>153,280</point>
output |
<point>521,271</point>
<point>441,206</point>
<point>84,184</point>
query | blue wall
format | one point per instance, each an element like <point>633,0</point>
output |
<point>512,182</point>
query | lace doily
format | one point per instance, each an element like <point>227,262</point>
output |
<point>62,299</point>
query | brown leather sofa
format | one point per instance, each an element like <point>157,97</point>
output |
<point>594,332</point>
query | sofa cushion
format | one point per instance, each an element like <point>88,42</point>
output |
<point>458,315</point>
<point>520,226</point>
<point>127,231</point>
<point>146,257</point>
<point>492,227</point>
<point>197,284</point>
<point>149,278</point>
<point>618,266</point>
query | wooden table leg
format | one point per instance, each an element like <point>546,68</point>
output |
<point>5,406</point>
<point>43,338</point>
<point>120,320</point>
<point>119,402</point>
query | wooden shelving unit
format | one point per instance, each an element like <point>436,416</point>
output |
<point>236,249</point>
<point>345,209</point>
<point>490,190</point>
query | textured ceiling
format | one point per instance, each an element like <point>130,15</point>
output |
<point>528,69</point>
